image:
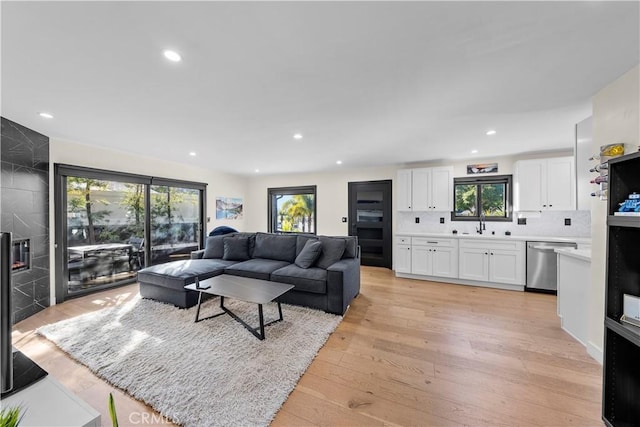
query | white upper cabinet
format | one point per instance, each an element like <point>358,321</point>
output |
<point>545,184</point>
<point>421,189</point>
<point>442,188</point>
<point>425,189</point>
<point>403,190</point>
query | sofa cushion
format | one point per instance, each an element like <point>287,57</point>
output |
<point>351,247</point>
<point>214,247</point>
<point>309,254</point>
<point>177,274</point>
<point>275,246</point>
<point>301,240</point>
<point>256,268</point>
<point>236,249</point>
<point>250,236</point>
<point>332,250</point>
<point>304,279</point>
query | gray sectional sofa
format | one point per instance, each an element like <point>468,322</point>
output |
<point>326,276</point>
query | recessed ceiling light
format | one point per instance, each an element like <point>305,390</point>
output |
<point>338,162</point>
<point>193,153</point>
<point>46,115</point>
<point>491,132</point>
<point>297,136</point>
<point>172,56</point>
<point>474,151</point>
<point>257,170</point>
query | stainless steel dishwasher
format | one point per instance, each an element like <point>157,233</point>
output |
<point>542,266</point>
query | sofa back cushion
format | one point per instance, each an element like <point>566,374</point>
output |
<point>214,247</point>
<point>251,237</point>
<point>275,246</point>
<point>332,251</point>
<point>309,254</point>
<point>236,248</point>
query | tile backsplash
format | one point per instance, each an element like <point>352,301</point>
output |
<point>550,223</point>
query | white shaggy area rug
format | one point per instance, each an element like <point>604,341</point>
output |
<point>210,373</point>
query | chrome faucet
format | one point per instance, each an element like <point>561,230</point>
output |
<point>483,225</point>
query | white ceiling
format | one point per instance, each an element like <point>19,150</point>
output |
<point>369,83</point>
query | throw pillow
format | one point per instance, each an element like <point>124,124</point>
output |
<point>236,249</point>
<point>332,250</point>
<point>351,248</point>
<point>309,254</point>
<point>214,247</point>
<point>222,230</point>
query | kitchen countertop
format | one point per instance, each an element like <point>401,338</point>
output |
<point>579,240</point>
<point>581,254</point>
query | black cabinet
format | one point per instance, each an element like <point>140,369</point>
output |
<point>370,220</point>
<point>621,382</point>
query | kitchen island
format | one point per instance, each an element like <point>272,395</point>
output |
<point>574,283</point>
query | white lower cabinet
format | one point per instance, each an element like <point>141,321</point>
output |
<point>489,261</point>
<point>507,266</point>
<point>403,255</point>
<point>474,264</point>
<point>434,257</point>
<point>497,262</point>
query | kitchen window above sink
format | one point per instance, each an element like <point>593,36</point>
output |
<point>486,198</point>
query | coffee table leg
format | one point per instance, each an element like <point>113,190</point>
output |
<point>260,335</point>
<point>261,321</point>
<point>198,309</point>
<point>198,319</point>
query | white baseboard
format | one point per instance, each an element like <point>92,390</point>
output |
<point>456,281</point>
<point>595,352</point>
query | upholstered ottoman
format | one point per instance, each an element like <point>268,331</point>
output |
<point>166,282</point>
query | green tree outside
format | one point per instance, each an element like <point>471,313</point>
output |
<point>492,197</point>
<point>298,210</point>
<point>79,199</point>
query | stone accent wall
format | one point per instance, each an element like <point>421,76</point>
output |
<point>24,159</point>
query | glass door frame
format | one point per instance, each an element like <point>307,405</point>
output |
<point>62,171</point>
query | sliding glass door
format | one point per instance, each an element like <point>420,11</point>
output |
<point>105,222</point>
<point>175,223</point>
<point>109,225</point>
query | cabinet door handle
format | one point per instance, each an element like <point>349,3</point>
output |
<point>550,206</point>
<point>434,250</point>
<point>491,253</point>
<point>544,206</point>
<point>486,253</point>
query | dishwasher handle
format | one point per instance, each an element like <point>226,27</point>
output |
<point>549,248</point>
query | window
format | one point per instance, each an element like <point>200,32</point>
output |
<point>487,196</point>
<point>292,209</point>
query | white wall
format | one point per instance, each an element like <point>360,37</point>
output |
<point>219,184</point>
<point>505,163</point>
<point>584,145</point>
<point>332,197</point>
<point>616,119</point>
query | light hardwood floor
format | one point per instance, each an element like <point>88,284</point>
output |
<point>408,352</point>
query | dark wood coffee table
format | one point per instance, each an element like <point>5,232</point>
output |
<point>244,289</point>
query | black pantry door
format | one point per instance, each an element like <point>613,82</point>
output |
<point>370,220</point>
